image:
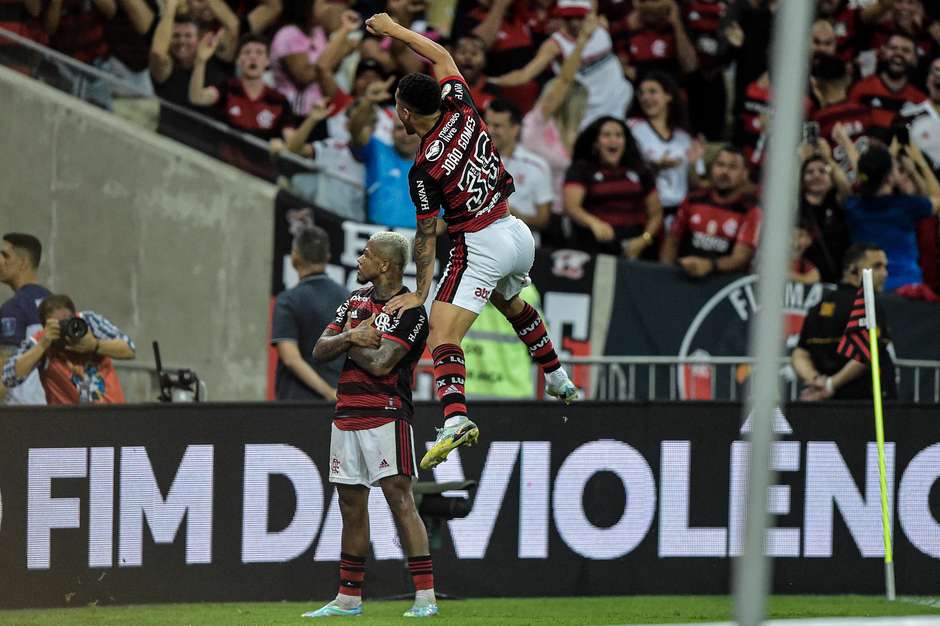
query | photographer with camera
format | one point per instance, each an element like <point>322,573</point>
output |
<point>74,352</point>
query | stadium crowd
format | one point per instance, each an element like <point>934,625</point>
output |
<point>631,127</point>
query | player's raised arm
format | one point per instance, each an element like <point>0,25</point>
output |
<point>425,252</point>
<point>444,66</point>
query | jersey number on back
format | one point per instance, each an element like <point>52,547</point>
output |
<point>480,174</point>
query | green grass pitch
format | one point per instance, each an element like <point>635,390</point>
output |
<point>519,611</point>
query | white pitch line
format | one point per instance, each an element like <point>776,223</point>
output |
<point>921,601</point>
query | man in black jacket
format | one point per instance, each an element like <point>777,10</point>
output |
<point>817,361</point>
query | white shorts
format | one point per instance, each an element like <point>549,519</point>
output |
<point>498,258</point>
<point>363,457</point>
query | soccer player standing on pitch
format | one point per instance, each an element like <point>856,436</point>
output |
<point>372,443</point>
<point>457,168</point>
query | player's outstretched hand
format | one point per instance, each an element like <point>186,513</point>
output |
<point>379,24</point>
<point>399,304</point>
<point>365,334</point>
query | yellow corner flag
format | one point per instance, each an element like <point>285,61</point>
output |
<point>860,342</point>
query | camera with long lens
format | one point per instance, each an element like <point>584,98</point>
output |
<point>72,329</point>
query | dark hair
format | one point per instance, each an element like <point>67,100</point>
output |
<point>28,243</point>
<point>313,245</point>
<point>898,33</point>
<point>730,148</point>
<point>677,114</point>
<point>184,18</point>
<point>297,12</point>
<point>813,158</point>
<point>370,65</point>
<point>471,37</point>
<point>251,38</point>
<point>828,67</point>
<point>857,252</point>
<point>54,303</point>
<point>421,93</point>
<point>501,105</point>
<point>874,166</point>
<point>584,146</point>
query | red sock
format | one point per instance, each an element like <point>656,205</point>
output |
<point>352,572</point>
<point>531,330</point>
<point>422,572</point>
<point>450,373</point>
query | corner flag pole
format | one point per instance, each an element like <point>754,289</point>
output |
<point>869,292</point>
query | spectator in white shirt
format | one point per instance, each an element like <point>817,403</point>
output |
<point>552,126</point>
<point>532,200</point>
<point>659,124</point>
<point>923,119</point>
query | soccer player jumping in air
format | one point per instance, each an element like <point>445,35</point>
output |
<point>457,168</point>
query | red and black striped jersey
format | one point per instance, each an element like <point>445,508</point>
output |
<point>703,19</point>
<point>885,103</point>
<point>364,400</point>
<point>265,117</point>
<point>648,49</point>
<point>847,26</point>
<point>924,44</point>
<point>854,116</point>
<point>709,226</point>
<point>755,113</point>
<point>617,195</point>
<point>457,167</point>
<point>81,32</point>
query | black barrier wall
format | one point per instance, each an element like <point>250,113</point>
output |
<point>231,502</point>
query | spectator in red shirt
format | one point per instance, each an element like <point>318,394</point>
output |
<point>717,228</point>
<point>245,102</point>
<point>610,192</point>
<point>503,27</point>
<point>470,57</point>
<point>849,22</point>
<point>750,133</point>
<point>905,17</point>
<point>653,38</point>
<point>890,89</point>
<point>830,81</point>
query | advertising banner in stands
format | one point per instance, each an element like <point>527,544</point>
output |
<point>657,310</point>
<point>177,503</point>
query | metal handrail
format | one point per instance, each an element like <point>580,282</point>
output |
<point>84,68</point>
<point>628,371</point>
<point>692,360</point>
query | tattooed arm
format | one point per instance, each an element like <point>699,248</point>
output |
<point>425,253</point>
<point>333,343</point>
<point>379,361</point>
